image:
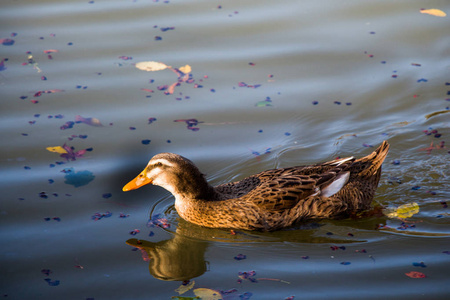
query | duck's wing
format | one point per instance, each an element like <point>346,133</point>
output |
<point>283,188</point>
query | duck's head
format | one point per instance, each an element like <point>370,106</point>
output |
<point>173,172</point>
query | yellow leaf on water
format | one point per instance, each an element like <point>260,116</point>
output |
<point>151,66</point>
<point>403,211</point>
<point>207,294</point>
<point>433,12</point>
<point>407,210</point>
<point>186,69</point>
<point>57,149</point>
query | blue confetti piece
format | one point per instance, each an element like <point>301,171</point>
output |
<point>419,264</point>
<point>52,283</point>
<point>8,42</point>
<point>240,257</point>
<point>145,142</point>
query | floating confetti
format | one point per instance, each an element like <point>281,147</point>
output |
<point>334,248</point>
<point>190,123</point>
<point>240,257</point>
<point>46,272</point>
<point>433,12</point>
<point>419,264</point>
<point>98,216</point>
<point>52,283</point>
<point>134,232</point>
<point>163,29</point>
<point>266,102</point>
<point>158,222</point>
<point>250,276</point>
<point>67,152</point>
<point>414,274</point>
<point>2,65</point>
<point>145,142</point>
<point>7,42</point>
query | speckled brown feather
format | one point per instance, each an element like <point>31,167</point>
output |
<point>279,198</point>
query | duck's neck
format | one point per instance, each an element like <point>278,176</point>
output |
<point>194,188</point>
<point>191,198</point>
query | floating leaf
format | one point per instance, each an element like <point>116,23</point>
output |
<point>433,12</point>
<point>151,66</point>
<point>78,179</point>
<point>403,211</point>
<point>207,294</point>
<point>185,69</point>
<point>89,121</point>
<point>436,113</point>
<point>407,210</point>
<point>57,149</point>
<point>415,274</point>
<point>185,287</point>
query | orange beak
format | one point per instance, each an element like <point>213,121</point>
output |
<point>136,183</point>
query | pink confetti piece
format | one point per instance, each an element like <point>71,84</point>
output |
<point>415,274</point>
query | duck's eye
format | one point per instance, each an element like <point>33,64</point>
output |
<point>157,165</point>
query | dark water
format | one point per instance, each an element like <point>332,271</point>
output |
<point>273,84</point>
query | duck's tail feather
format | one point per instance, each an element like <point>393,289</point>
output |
<point>372,162</point>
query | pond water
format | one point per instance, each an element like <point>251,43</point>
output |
<point>272,84</point>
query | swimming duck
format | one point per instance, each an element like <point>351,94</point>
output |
<point>269,200</point>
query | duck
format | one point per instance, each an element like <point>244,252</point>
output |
<point>270,200</point>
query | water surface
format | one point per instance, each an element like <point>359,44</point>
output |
<point>274,84</point>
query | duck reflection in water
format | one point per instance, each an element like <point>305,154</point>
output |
<point>179,259</point>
